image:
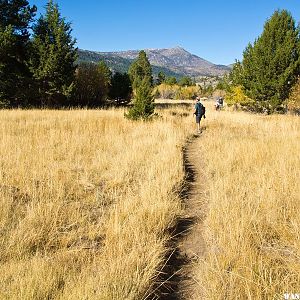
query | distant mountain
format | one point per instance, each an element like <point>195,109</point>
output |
<point>173,62</point>
<point>118,63</point>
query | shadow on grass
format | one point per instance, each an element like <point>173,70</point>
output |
<point>173,105</point>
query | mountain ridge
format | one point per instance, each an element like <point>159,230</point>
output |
<point>175,61</point>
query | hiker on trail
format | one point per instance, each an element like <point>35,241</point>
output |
<point>199,113</point>
<point>219,103</point>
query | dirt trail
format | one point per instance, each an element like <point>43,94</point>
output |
<point>188,235</point>
<point>192,245</point>
<point>179,273</point>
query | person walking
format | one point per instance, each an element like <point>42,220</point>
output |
<point>219,103</point>
<point>199,113</point>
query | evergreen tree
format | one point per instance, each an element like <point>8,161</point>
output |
<point>186,81</point>
<point>105,71</point>
<point>236,74</point>
<point>139,70</point>
<point>143,105</point>
<point>53,58</point>
<point>224,83</point>
<point>161,77</point>
<point>15,77</point>
<point>120,87</point>
<point>7,41</point>
<point>171,80</point>
<point>270,66</point>
<point>140,73</point>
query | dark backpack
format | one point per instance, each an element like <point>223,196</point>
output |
<point>200,109</point>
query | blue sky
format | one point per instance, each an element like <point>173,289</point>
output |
<point>214,30</point>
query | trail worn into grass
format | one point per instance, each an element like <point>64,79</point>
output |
<point>192,244</point>
<point>189,243</point>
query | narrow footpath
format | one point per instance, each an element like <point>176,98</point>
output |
<point>192,245</point>
<point>188,242</point>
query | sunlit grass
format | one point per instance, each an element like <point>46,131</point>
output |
<point>86,201</point>
<point>253,222</point>
<point>87,197</point>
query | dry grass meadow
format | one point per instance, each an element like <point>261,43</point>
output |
<point>87,198</point>
<point>253,222</point>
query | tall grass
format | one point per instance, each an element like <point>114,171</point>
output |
<point>86,198</point>
<point>253,221</point>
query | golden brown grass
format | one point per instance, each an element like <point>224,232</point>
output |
<point>253,221</point>
<point>86,198</point>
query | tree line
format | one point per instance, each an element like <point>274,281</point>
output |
<point>38,66</point>
<point>38,62</point>
<point>268,75</point>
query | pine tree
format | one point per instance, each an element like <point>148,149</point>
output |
<point>186,81</point>
<point>171,80</point>
<point>236,74</point>
<point>140,69</point>
<point>15,77</point>
<point>270,66</point>
<point>143,105</point>
<point>7,41</point>
<point>161,77</point>
<point>140,73</point>
<point>53,58</point>
<point>120,87</point>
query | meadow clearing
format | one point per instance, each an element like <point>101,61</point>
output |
<point>87,198</point>
<point>253,222</point>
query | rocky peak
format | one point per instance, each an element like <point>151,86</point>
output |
<point>176,59</point>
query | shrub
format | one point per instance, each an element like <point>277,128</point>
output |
<point>188,92</point>
<point>237,97</point>
<point>293,102</point>
<point>92,85</point>
<point>166,91</point>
